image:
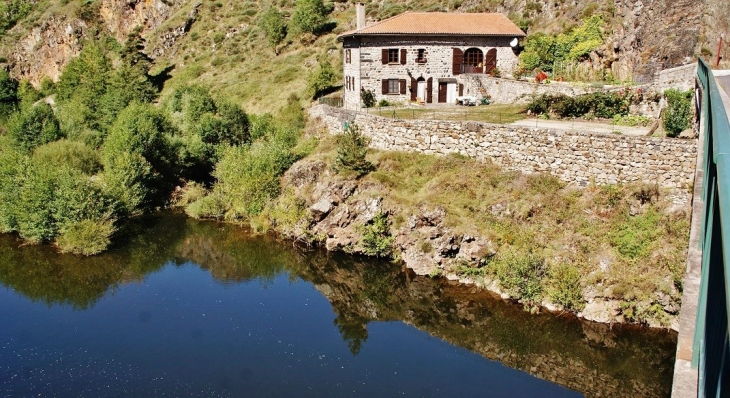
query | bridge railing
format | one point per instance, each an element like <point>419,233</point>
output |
<point>711,352</point>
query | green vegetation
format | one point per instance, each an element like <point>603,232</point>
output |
<point>521,274</point>
<point>274,25</point>
<point>309,16</point>
<point>352,148</point>
<point>605,105</point>
<point>376,238</point>
<point>678,114</point>
<point>542,51</point>
<point>321,80</point>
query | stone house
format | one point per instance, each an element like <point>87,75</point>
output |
<point>425,56</point>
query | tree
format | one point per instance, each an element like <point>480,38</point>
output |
<point>34,126</point>
<point>322,79</point>
<point>352,146</point>
<point>676,117</point>
<point>274,26</point>
<point>310,16</point>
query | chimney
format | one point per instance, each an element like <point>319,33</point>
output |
<point>360,15</point>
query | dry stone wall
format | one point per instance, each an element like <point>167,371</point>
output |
<point>571,156</point>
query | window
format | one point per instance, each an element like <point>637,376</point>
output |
<point>421,58</point>
<point>393,86</point>
<point>393,55</point>
<point>473,57</point>
<point>348,56</point>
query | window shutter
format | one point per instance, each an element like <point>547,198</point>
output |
<point>403,56</point>
<point>458,61</point>
<point>385,86</point>
<point>385,56</point>
<point>402,86</point>
<point>414,88</point>
<point>461,89</point>
<point>429,89</point>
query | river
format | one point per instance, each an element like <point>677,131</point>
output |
<point>188,308</point>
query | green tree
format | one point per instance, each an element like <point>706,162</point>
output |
<point>352,147</point>
<point>678,114</point>
<point>34,126</point>
<point>309,16</point>
<point>321,79</point>
<point>274,26</point>
<point>8,94</point>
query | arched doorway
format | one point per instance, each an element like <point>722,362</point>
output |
<point>473,60</point>
<point>490,61</point>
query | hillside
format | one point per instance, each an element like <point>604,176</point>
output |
<point>220,44</point>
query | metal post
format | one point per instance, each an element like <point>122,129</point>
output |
<point>719,49</point>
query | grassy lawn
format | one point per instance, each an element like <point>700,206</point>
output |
<point>497,113</point>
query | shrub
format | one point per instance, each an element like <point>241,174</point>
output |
<point>677,116</point>
<point>249,177</point>
<point>72,154</point>
<point>321,79</point>
<point>368,98</point>
<point>521,276</point>
<point>635,235</point>
<point>565,289</point>
<point>376,238</point>
<point>210,206</point>
<point>274,26</point>
<point>86,237</point>
<point>34,126</point>
<point>128,180</point>
<point>352,147</point>
<point>309,16</point>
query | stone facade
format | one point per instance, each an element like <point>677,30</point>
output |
<point>507,91</point>
<point>578,157</point>
<point>364,68</point>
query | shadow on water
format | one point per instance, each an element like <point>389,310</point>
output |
<point>594,359</point>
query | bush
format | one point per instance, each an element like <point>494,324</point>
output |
<point>376,238</point>
<point>321,80</point>
<point>274,26</point>
<point>634,237</point>
<point>34,126</point>
<point>521,276</point>
<point>565,289</point>
<point>210,206</point>
<point>86,237</point>
<point>678,114</point>
<point>368,98</point>
<point>352,147</point>
<point>71,154</point>
<point>309,16</point>
<point>249,177</point>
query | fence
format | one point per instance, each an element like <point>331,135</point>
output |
<point>711,353</point>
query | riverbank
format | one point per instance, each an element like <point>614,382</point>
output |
<point>609,254</point>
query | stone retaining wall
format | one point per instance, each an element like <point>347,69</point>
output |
<point>572,156</point>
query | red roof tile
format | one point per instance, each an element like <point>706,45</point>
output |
<point>441,23</point>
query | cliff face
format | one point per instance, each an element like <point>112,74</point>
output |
<point>59,38</point>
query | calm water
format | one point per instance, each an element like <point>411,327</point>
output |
<point>186,308</point>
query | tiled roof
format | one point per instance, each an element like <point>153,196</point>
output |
<point>442,23</point>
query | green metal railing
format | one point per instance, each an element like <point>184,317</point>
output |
<point>711,353</point>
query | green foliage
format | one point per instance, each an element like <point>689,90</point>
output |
<point>368,98</point>
<point>12,11</point>
<point>92,89</point>
<point>631,120</point>
<point>605,105</point>
<point>565,289</point>
<point>309,16</point>
<point>542,50</point>
<point>126,179</point>
<point>352,147</point>
<point>8,88</point>
<point>273,24</point>
<point>321,79</point>
<point>248,177</point>
<point>72,154</point>
<point>634,237</point>
<point>521,274</point>
<point>34,126</point>
<point>376,238</point>
<point>86,237</point>
<point>678,114</point>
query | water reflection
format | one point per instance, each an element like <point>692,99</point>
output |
<point>591,358</point>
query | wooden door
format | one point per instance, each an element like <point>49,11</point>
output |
<point>490,61</point>
<point>442,92</point>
